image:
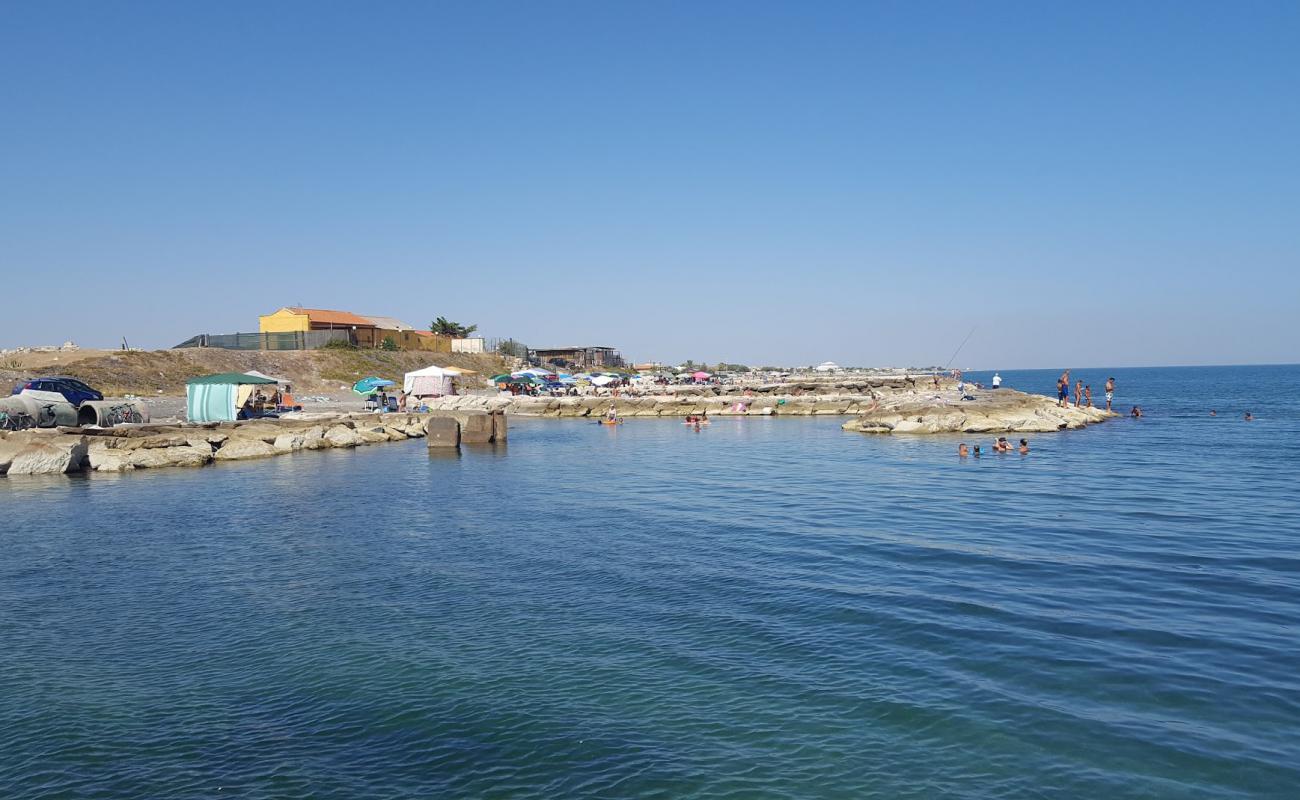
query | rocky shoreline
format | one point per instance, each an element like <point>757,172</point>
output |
<point>1001,411</point>
<point>893,407</point>
<point>119,449</point>
<point>900,407</point>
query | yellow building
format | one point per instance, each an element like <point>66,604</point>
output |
<point>363,331</point>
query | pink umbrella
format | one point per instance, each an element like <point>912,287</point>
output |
<point>701,376</point>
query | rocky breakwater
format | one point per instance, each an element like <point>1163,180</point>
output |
<point>66,450</point>
<point>1001,411</point>
<point>809,396</point>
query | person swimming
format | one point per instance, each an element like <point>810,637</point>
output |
<point>1135,413</point>
<point>962,450</point>
<point>976,452</point>
<point>1249,417</point>
<point>1024,447</point>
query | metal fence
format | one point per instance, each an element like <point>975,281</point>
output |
<point>507,347</point>
<point>293,340</point>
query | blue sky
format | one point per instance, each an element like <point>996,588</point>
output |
<point>1085,184</point>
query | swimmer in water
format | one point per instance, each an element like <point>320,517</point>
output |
<point>1135,413</point>
<point>977,451</point>
<point>1249,417</point>
<point>1024,447</point>
<point>962,450</point>
<point>1213,413</point>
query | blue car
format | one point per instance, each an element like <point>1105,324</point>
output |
<point>57,390</point>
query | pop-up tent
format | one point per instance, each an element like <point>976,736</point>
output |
<point>428,382</point>
<point>218,398</point>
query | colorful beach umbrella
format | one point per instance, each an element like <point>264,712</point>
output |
<point>368,386</point>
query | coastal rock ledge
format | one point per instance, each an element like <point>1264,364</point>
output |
<point>1001,411</point>
<point>150,446</point>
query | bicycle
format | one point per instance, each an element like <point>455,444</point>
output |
<point>46,417</point>
<point>16,421</point>
<point>124,413</point>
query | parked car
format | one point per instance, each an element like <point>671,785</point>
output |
<point>57,390</point>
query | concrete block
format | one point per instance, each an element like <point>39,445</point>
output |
<point>476,427</point>
<point>442,432</point>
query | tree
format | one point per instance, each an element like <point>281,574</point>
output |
<point>453,329</point>
<point>389,344</point>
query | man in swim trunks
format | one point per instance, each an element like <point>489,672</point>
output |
<point>1110,392</point>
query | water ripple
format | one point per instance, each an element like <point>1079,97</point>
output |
<point>770,608</point>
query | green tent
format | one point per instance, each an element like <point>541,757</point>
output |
<point>218,398</point>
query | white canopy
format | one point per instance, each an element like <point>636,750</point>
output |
<point>428,378</point>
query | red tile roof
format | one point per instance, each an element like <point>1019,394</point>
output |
<point>327,317</point>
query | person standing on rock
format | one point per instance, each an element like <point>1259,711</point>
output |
<point>997,380</point>
<point>1087,395</point>
<point>1110,392</point>
<point>1063,389</point>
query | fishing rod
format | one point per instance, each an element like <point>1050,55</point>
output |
<point>960,346</point>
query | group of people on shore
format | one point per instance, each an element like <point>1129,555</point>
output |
<point>999,446</point>
<point>1082,392</point>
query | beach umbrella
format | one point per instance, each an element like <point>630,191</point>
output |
<point>368,386</point>
<point>700,376</point>
<point>504,378</point>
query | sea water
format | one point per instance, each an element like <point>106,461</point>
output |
<point>762,608</point>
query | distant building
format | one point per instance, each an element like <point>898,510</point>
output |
<point>470,344</point>
<point>363,330</point>
<point>828,366</point>
<point>649,366</point>
<point>578,357</point>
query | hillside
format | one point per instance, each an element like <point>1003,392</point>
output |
<point>153,372</point>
